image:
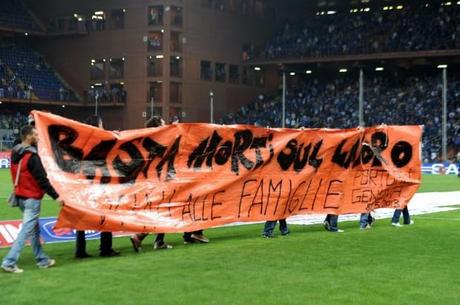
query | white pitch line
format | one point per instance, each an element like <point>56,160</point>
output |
<point>421,203</point>
<point>439,218</point>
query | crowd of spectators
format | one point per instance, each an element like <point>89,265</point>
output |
<point>103,94</point>
<point>415,27</point>
<point>15,16</point>
<point>66,24</point>
<point>403,100</point>
<point>10,86</point>
<point>13,121</point>
<point>10,125</point>
<point>25,75</point>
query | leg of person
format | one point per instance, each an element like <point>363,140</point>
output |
<point>160,238</point>
<point>43,260</point>
<point>364,221</point>
<point>199,236</point>
<point>327,222</point>
<point>268,229</point>
<point>141,236</point>
<point>406,216</point>
<point>106,245</point>
<point>136,241</point>
<point>370,219</point>
<point>284,227</point>
<point>188,238</point>
<point>334,220</point>
<point>106,242</point>
<point>9,263</point>
<point>395,218</point>
<point>159,242</point>
<point>80,245</point>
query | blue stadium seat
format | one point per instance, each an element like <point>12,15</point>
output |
<point>21,64</point>
<point>14,15</point>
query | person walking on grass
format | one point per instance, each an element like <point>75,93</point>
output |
<point>331,223</point>
<point>270,225</point>
<point>136,239</point>
<point>105,247</point>
<point>32,184</point>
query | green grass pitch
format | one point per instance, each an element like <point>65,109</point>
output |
<point>410,265</point>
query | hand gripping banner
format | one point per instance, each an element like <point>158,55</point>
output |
<point>186,177</point>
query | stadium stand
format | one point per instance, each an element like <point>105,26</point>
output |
<point>25,75</point>
<point>14,15</point>
<point>413,27</point>
<point>402,99</point>
<point>10,124</point>
<point>334,104</point>
<point>12,120</point>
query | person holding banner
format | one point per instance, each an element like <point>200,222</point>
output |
<point>331,223</point>
<point>397,215</point>
<point>32,184</point>
<point>136,239</point>
<point>191,237</point>
<point>270,227</point>
<point>164,190</point>
<point>105,247</point>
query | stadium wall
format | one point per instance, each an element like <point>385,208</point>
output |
<point>220,42</point>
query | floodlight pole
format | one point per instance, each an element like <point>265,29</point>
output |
<point>444,114</point>
<point>96,105</point>
<point>361,98</point>
<point>283,123</point>
<point>152,99</point>
<point>211,106</point>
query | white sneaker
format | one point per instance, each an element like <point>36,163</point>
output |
<point>396,224</point>
<point>51,263</point>
<point>13,269</point>
<point>340,231</point>
<point>411,222</point>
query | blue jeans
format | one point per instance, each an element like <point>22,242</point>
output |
<point>397,215</point>
<point>270,227</point>
<point>332,220</point>
<point>30,231</point>
<point>365,219</point>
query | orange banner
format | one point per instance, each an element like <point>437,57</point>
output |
<point>186,177</point>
